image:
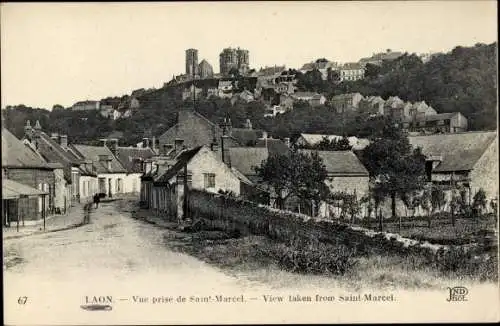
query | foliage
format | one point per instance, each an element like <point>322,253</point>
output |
<point>479,203</point>
<point>438,198</point>
<point>395,168</point>
<point>313,256</point>
<point>298,174</point>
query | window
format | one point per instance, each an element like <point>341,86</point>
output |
<point>209,180</point>
<point>440,122</point>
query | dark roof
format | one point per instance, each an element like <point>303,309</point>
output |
<point>12,190</point>
<point>182,159</point>
<point>244,136</point>
<point>53,152</point>
<point>16,154</point>
<point>458,151</point>
<point>341,162</point>
<point>275,146</point>
<point>434,117</point>
<point>126,156</point>
<point>93,153</point>
<point>244,159</point>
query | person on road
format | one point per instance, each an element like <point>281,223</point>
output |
<point>86,212</point>
<point>96,200</point>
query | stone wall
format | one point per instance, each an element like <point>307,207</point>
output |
<point>231,214</point>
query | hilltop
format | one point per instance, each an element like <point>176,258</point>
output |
<point>463,80</point>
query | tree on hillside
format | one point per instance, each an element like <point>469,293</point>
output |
<point>394,166</point>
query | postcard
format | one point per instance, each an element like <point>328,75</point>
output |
<point>249,162</point>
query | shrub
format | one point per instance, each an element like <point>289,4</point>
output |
<point>314,257</point>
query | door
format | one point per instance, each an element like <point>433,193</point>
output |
<point>102,185</point>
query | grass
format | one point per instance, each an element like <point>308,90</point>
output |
<point>260,259</point>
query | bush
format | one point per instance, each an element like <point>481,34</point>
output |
<point>461,262</point>
<point>314,257</point>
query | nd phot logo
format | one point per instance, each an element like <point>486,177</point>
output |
<point>457,293</point>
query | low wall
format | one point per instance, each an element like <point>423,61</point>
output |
<point>232,214</point>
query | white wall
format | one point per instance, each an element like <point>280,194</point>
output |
<point>88,188</point>
<point>132,183</point>
<point>113,177</point>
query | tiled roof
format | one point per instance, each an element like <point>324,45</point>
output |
<point>93,153</point>
<point>435,117</point>
<point>459,151</point>
<point>244,159</point>
<point>53,152</point>
<point>126,156</point>
<point>274,146</point>
<point>16,154</point>
<point>12,189</point>
<point>182,159</point>
<point>341,162</point>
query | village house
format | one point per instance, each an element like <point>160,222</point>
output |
<point>317,100</point>
<point>394,107</point>
<point>193,130</point>
<point>378,58</point>
<point>468,158</point>
<point>191,92</point>
<point>225,89</point>
<point>351,72</point>
<point>198,168</point>
<point>212,92</point>
<point>29,195</point>
<point>54,149</point>
<point>86,106</point>
<point>436,123</point>
<point>111,175</point>
<point>373,105</point>
<point>346,174</point>
<point>132,159</point>
<point>420,109</point>
<point>346,102</point>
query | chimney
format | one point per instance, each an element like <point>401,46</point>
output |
<point>104,142</point>
<point>153,144</point>
<point>226,158</point>
<point>145,142</point>
<point>287,141</point>
<point>178,145</point>
<point>264,134</point>
<point>28,131</point>
<point>54,136</point>
<point>64,141</point>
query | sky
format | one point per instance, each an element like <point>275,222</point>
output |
<point>61,53</point>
